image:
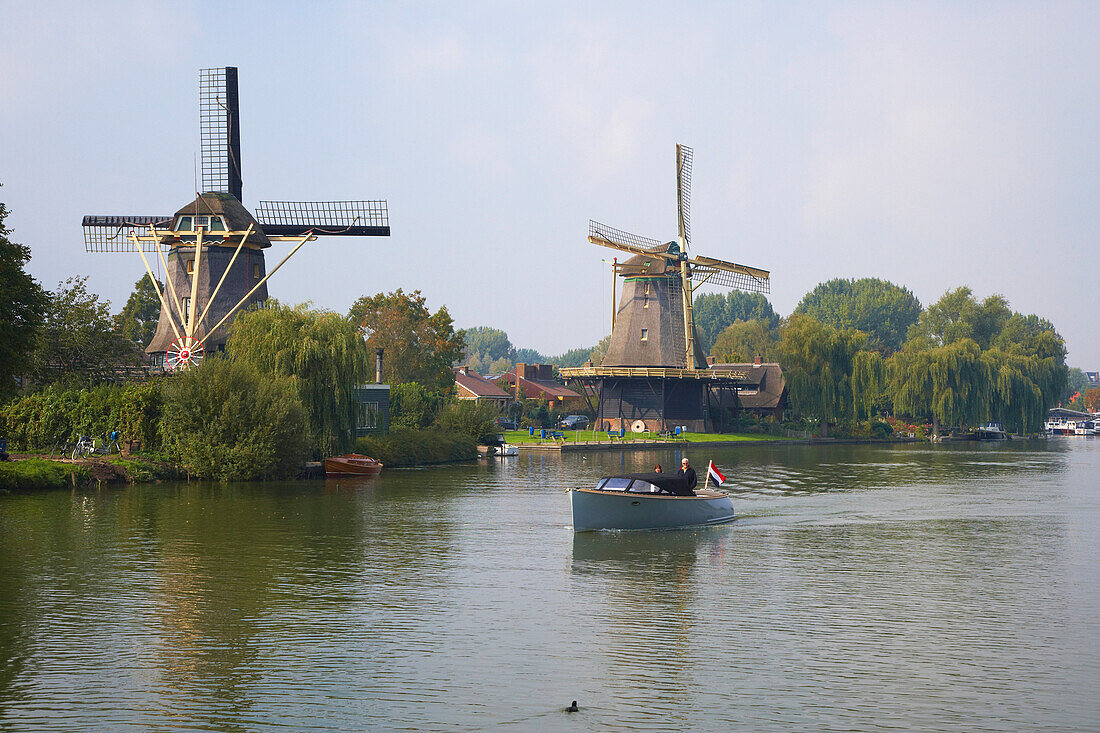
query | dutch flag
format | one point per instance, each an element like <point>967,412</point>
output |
<point>715,476</point>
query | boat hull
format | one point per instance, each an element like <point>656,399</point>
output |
<point>352,465</point>
<point>595,510</point>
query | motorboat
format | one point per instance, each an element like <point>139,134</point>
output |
<point>352,464</point>
<point>647,501</point>
<point>990,431</point>
<point>498,447</point>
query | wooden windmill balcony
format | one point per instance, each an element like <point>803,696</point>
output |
<point>604,372</point>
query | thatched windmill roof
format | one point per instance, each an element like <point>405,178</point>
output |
<point>237,218</point>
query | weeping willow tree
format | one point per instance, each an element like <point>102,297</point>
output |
<point>868,382</point>
<point>951,384</point>
<point>829,377</point>
<point>966,362</point>
<point>324,353</point>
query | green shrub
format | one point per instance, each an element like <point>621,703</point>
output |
<point>413,406</point>
<point>416,447</point>
<point>881,429</point>
<point>226,420</point>
<point>476,420</point>
<point>38,420</point>
<point>38,474</point>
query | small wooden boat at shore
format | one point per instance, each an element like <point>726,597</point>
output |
<point>352,464</point>
<point>647,501</point>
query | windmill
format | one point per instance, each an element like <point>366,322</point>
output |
<point>654,370</point>
<point>212,249</point>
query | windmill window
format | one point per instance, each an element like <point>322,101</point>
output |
<point>190,266</point>
<point>256,274</point>
<point>647,288</point>
<point>184,224</point>
<point>645,302</point>
<point>186,306</point>
<point>216,224</point>
<point>645,334</point>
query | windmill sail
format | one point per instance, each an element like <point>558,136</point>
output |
<point>730,275</point>
<point>614,238</point>
<point>684,158</point>
<point>331,218</point>
<point>112,233</point>
<point>220,130</point>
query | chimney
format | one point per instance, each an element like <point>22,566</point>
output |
<point>378,366</point>
<point>758,360</point>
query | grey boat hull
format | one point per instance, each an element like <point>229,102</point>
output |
<point>595,510</point>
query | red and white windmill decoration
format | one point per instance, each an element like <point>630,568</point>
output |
<point>185,352</point>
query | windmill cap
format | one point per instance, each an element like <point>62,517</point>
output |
<point>224,204</point>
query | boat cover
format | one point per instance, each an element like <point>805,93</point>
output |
<point>670,482</point>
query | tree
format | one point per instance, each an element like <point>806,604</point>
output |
<point>321,351</point>
<point>1076,382</point>
<point>819,362</point>
<point>879,308</point>
<point>420,346</point>
<point>528,356</point>
<point>742,341</point>
<point>951,384</point>
<point>23,305</point>
<point>1092,400</point>
<point>138,319</point>
<point>573,357</point>
<point>714,313</point>
<point>78,337</point>
<point>599,350</point>
<point>488,343</point>
<point>227,420</point>
<point>412,406</point>
<point>968,361</point>
<point>958,315</point>
<point>477,420</point>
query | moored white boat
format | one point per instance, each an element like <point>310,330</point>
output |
<point>647,501</point>
<point>990,431</point>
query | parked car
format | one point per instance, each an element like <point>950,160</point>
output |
<point>574,422</point>
<point>507,423</point>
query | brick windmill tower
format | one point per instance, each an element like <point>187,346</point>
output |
<point>212,249</point>
<point>654,374</point>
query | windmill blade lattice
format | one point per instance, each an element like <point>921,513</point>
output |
<point>685,156</point>
<point>349,218</point>
<point>112,233</point>
<point>618,239</point>
<point>730,275</point>
<point>220,130</point>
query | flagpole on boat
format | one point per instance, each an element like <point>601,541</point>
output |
<point>706,483</point>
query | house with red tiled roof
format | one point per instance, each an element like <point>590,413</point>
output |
<point>472,386</point>
<point>536,381</point>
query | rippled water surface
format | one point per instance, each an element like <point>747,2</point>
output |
<point>863,588</point>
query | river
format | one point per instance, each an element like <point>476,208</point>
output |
<point>862,588</point>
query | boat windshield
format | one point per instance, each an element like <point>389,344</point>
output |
<point>613,484</point>
<point>643,487</point>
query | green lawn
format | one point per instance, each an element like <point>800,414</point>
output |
<point>519,437</point>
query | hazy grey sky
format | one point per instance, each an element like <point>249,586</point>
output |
<point>931,144</point>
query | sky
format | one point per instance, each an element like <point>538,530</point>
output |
<point>930,144</point>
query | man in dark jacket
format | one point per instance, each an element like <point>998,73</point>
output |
<point>688,473</point>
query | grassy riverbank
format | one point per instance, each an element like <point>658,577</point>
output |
<point>34,473</point>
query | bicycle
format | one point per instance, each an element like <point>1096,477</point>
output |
<point>86,445</point>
